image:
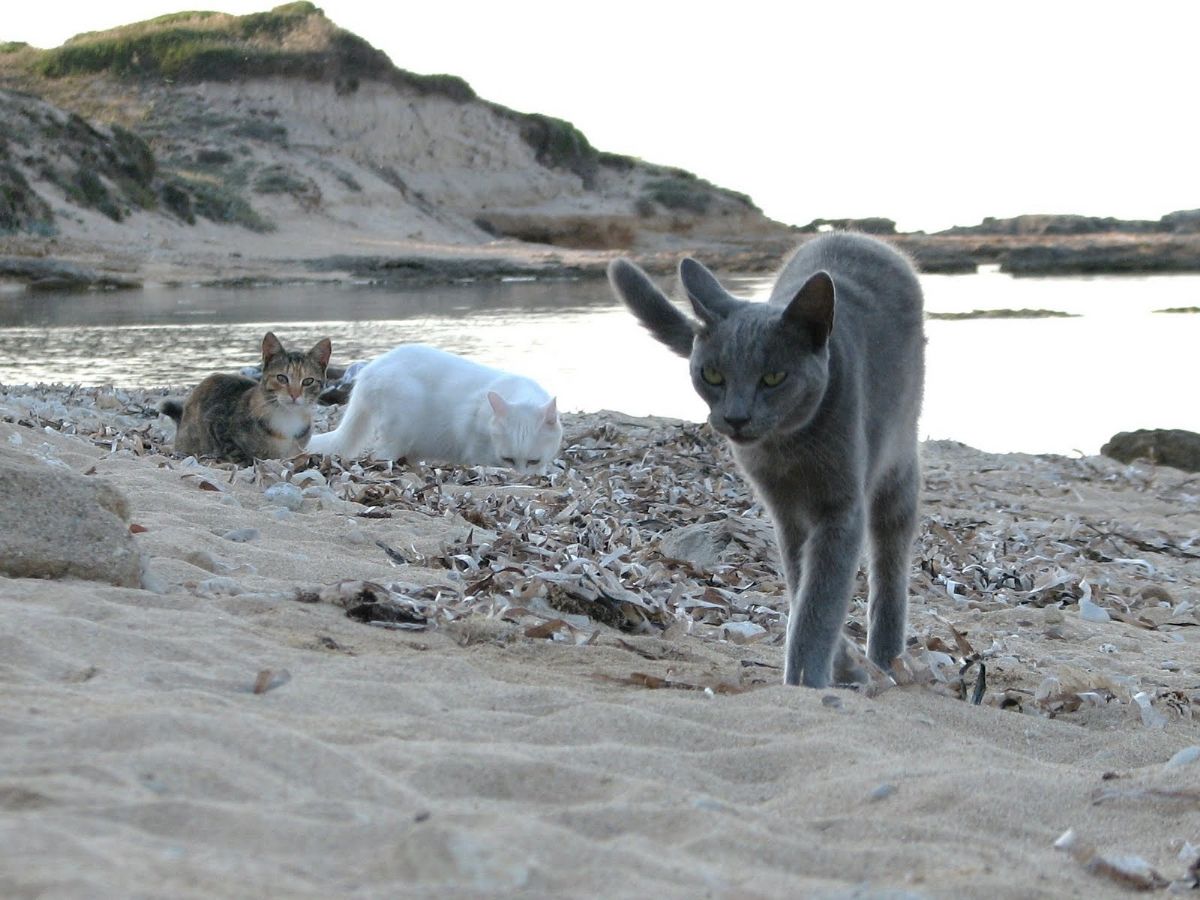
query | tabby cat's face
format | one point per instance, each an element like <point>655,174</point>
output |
<point>291,378</point>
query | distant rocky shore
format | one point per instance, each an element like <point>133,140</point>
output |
<point>204,148</point>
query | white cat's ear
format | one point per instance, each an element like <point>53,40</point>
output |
<point>499,405</point>
<point>812,308</point>
<point>710,301</point>
<point>271,346</point>
<point>550,412</point>
<point>321,352</point>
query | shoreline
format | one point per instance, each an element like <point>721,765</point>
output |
<point>62,264</point>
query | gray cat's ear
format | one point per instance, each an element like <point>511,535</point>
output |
<point>812,308</point>
<point>321,352</point>
<point>550,412</point>
<point>656,313</point>
<point>711,302</point>
<point>271,346</point>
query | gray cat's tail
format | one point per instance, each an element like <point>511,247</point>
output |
<point>657,314</point>
<point>172,408</point>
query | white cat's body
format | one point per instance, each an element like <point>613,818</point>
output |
<point>421,403</point>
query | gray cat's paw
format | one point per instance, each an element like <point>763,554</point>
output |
<point>850,666</point>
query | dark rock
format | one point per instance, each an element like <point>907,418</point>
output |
<point>1165,447</point>
<point>1184,221</point>
<point>1096,259</point>
<point>51,274</point>
<point>57,524</point>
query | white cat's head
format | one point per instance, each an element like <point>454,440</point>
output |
<point>763,369</point>
<point>525,436</point>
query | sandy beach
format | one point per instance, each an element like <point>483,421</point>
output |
<point>406,681</point>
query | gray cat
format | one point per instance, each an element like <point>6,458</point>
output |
<point>818,392</point>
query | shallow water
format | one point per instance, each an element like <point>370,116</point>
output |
<point>1037,385</point>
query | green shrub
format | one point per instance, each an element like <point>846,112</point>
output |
<point>679,193</point>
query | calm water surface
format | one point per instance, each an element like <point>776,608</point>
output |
<point>1037,385</point>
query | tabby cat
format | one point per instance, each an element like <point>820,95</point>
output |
<point>236,418</point>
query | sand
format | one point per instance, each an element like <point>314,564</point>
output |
<point>211,735</point>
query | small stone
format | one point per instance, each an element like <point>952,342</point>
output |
<point>743,632</point>
<point>1184,757</point>
<point>242,535</point>
<point>308,478</point>
<point>286,495</point>
<point>1052,615</point>
<point>221,585</point>
<point>1092,612</point>
<point>882,792</point>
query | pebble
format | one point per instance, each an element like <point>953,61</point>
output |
<point>286,495</point>
<point>743,632</point>
<point>1092,612</point>
<point>882,792</point>
<point>1184,757</point>
<point>308,478</point>
<point>220,585</point>
<point>242,535</point>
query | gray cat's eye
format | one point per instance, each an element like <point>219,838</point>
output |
<point>712,376</point>
<point>509,460</point>
<point>774,379</point>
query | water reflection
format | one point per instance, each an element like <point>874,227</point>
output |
<point>1037,385</point>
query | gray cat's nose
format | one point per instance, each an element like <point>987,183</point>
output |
<point>737,423</point>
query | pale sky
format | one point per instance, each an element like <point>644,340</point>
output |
<point>930,113</point>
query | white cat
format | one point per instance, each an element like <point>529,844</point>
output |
<point>422,403</point>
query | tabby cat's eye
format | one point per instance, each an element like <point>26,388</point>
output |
<point>712,376</point>
<point>281,378</point>
<point>774,379</point>
<point>307,381</point>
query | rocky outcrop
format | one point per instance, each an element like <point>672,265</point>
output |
<point>1165,447</point>
<point>1181,222</point>
<point>270,121</point>
<point>1106,258</point>
<point>59,275</point>
<point>57,524</point>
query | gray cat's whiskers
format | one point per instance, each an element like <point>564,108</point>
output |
<point>818,392</point>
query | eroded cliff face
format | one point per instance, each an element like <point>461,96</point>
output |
<point>295,160</point>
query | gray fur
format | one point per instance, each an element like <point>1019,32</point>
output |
<point>832,448</point>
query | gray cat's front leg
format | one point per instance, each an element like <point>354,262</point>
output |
<point>818,609</point>
<point>893,527</point>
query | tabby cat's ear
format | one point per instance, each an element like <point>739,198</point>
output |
<point>271,346</point>
<point>321,351</point>
<point>812,308</point>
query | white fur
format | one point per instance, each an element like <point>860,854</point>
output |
<point>422,403</point>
